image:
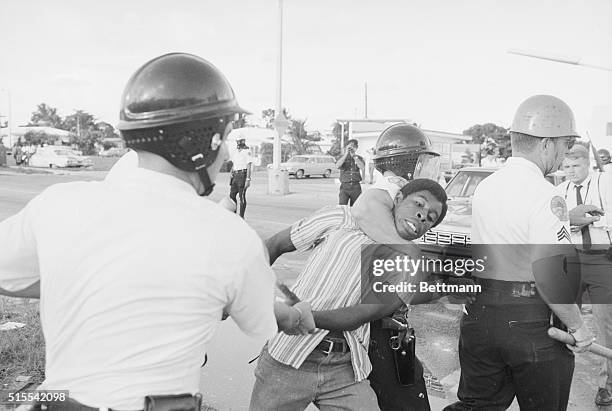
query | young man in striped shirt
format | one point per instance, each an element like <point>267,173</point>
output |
<point>329,368</point>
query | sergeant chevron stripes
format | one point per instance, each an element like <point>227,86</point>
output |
<point>562,233</point>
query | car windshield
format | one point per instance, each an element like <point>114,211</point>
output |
<point>297,160</point>
<point>64,153</point>
<point>465,182</point>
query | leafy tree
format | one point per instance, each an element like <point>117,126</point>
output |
<point>268,116</point>
<point>79,122</point>
<point>302,141</point>
<point>36,138</point>
<point>86,133</point>
<point>497,138</point>
<point>45,115</point>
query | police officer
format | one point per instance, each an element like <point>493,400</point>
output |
<point>241,174</point>
<point>136,271</point>
<point>351,166</point>
<point>402,153</point>
<point>594,244</point>
<point>522,224</point>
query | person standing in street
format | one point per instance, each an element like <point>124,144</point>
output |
<point>523,224</point>
<point>606,162</point>
<point>593,241</point>
<point>351,167</point>
<point>240,179</point>
<point>135,272</point>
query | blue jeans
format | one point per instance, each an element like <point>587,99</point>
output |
<point>327,381</point>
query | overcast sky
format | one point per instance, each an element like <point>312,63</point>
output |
<point>442,63</point>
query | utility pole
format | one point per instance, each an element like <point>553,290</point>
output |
<point>9,119</point>
<point>278,180</point>
<point>366,100</point>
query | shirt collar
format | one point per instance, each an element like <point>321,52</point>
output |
<point>523,162</point>
<point>126,173</point>
<point>585,183</point>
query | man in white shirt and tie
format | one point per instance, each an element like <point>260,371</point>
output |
<point>593,241</point>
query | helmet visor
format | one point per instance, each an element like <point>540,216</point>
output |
<point>427,166</point>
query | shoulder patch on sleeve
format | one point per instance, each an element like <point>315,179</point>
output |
<point>559,208</point>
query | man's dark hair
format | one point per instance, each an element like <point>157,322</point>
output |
<point>436,190</point>
<point>354,141</point>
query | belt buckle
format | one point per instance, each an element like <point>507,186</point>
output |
<point>331,346</point>
<point>524,290</point>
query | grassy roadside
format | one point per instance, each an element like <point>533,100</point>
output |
<point>22,350</point>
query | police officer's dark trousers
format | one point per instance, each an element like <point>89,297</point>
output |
<point>504,351</point>
<point>237,188</point>
<point>390,393</point>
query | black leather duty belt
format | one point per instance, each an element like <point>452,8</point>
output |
<point>592,252</point>
<point>512,288</point>
<point>328,346</point>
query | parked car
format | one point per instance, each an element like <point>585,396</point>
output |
<point>57,156</point>
<point>456,226</point>
<point>310,164</point>
<point>114,152</point>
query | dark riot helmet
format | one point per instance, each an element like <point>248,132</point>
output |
<point>406,151</point>
<point>178,106</point>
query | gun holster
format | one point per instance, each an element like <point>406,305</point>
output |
<point>403,344</point>
<point>180,402</point>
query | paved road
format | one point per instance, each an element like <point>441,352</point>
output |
<point>228,378</point>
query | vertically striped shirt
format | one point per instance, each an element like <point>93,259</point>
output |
<point>330,280</point>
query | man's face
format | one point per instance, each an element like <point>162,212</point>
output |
<point>416,214</point>
<point>604,157</point>
<point>576,170</point>
<point>351,146</point>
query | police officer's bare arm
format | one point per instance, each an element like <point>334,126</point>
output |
<point>342,159</point>
<point>374,214</point>
<point>555,289</point>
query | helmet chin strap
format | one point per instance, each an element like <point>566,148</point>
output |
<point>199,162</point>
<point>200,167</point>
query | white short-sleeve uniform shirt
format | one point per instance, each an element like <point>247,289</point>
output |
<point>135,273</point>
<point>517,205</point>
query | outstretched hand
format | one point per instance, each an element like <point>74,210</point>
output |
<point>460,297</point>
<point>304,323</point>
<point>584,214</point>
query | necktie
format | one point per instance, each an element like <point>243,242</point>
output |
<point>586,236</point>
